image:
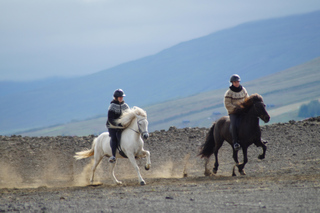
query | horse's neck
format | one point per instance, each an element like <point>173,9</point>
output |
<point>250,118</point>
<point>133,124</point>
<point>131,131</point>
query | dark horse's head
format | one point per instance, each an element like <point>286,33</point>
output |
<point>259,108</point>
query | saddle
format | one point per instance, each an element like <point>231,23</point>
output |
<point>121,152</point>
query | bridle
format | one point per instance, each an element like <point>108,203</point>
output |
<point>255,107</point>
<point>139,129</point>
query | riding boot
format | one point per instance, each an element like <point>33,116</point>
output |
<point>233,125</point>
<point>112,159</point>
<point>113,144</point>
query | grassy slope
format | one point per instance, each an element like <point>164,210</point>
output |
<point>287,90</point>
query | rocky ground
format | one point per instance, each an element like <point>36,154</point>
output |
<point>39,174</point>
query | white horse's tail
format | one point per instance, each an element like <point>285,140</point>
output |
<point>86,153</point>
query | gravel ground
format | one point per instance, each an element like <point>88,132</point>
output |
<point>39,174</point>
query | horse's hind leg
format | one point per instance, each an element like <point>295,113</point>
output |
<point>207,171</point>
<point>97,159</point>
<point>134,164</point>
<point>215,152</point>
<point>113,165</point>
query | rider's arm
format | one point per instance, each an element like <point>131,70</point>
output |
<point>228,102</point>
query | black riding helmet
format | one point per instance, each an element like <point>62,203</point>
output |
<point>118,93</point>
<point>235,77</point>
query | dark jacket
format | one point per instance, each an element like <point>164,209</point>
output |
<point>115,111</point>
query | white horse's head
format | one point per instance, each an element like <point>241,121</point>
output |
<point>141,117</point>
<point>142,121</point>
<point>143,126</point>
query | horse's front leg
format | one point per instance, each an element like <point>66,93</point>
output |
<point>264,148</point>
<point>134,164</point>
<point>147,155</point>
<point>113,165</point>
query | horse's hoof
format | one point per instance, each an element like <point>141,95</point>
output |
<point>207,173</point>
<point>261,157</point>
<point>96,184</point>
<point>142,183</point>
<point>242,172</point>
<point>119,183</point>
<point>233,172</point>
<point>147,168</point>
<point>214,171</point>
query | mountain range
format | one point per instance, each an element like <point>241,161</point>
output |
<point>283,93</point>
<point>252,50</point>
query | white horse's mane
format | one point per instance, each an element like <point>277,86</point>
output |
<point>130,114</point>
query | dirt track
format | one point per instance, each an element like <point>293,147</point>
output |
<point>40,175</point>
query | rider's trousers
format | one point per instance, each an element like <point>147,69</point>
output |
<point>233,126</point>
<point>113,140</point>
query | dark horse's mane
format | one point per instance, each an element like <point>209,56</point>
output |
<point>247,103</point>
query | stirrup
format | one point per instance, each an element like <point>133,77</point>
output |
<point>236,146</point>
<point>112,159</point>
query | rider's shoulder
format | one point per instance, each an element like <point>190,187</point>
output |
<point>244,89</point>
<point>125,106</point>
<point>114,106</point>
<point>229,93</point>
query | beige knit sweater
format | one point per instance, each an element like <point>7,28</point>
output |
<point>231,99</point>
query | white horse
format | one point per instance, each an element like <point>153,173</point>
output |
<point>135,124</point>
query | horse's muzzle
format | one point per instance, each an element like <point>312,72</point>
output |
<point>145,135</point>
<point>266,118</point>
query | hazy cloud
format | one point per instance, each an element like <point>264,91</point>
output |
<point>52,38</point>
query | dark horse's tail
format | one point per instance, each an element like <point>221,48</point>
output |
<point>208,146</point>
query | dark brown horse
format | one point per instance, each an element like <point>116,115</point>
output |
<point>249,133</point>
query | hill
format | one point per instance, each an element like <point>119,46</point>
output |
<point>283,93</point>
<point>253,50</point>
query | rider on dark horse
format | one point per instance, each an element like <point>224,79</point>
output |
<point>116,108</point>
<point>234,95</point>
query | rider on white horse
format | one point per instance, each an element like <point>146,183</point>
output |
<point>116,108</point>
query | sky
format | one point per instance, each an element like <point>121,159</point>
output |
<point>65,38</point>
